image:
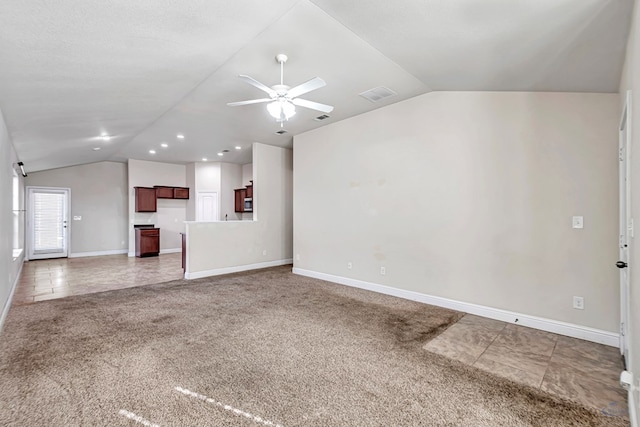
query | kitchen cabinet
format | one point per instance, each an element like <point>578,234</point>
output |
<point>145,199</point>
<point>163,192</point>
<point>147,242</point>
<point>180,192</point>
<point>183,237</point>
<point>240,195</point>
<point>250,190</point>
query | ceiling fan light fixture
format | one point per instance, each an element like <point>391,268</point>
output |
<point>281,110</point>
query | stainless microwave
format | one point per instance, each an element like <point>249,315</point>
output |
<point>248,204</point>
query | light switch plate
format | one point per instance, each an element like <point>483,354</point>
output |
<point>578,222</point>
<point>77,217</point>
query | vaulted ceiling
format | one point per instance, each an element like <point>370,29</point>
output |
<point>142,72</point>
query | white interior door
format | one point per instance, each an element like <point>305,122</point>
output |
<point>626,224</point>
<point>207,207</point>
<point>48,221</point>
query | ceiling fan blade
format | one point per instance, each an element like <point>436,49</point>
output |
<point>313,105</point>
<point>313,84</point>
<point>254,82</point>
<point>251,101</point>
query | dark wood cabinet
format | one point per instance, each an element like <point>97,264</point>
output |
<point>180,192</point>
<point>145,199</point>
<point>163,192</point>
<point>147,242</point>
<point>183,237</point>
<point>250,191</point>
<point>240,194</point>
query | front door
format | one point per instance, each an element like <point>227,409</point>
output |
<point>48,221</point>
<point>626,224</point>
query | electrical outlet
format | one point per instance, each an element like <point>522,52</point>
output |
<point>349,265</point>
<point>264,252</point>
<point>578,303</point>
<point>383,270</point>
<point>297,257</point>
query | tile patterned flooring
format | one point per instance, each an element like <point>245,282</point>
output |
<point>56,278</point>
<point>578,370</point>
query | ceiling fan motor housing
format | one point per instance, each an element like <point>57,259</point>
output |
<point>281,90</point>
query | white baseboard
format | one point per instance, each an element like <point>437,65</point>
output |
<point>170,251</point>
<point>7,305</point>
<point>633,409</point>
<point>235,269</point>
<point>97,253</point>
<point>549,325</point>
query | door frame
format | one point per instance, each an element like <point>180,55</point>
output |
<point>625,221</point>
<point>29,225</point>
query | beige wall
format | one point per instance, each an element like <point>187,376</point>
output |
<point>230,179</point>
<point>99,197</point>
<point>216,247</point>
<point>171,213</point>
<point>631,81</point>
<point>469,196</point>
<point>9,267</point>
<point>191,183</point>
<point>247,174</point>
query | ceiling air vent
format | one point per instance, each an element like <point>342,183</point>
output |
<point>281,132</point>
<point>322,117</point>
<point>377,94</point>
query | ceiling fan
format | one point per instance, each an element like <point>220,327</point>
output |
<point>283,99</point>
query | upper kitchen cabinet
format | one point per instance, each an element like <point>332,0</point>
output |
<point>163,192</point>
<point>180,192</point>
<point>145,199</point>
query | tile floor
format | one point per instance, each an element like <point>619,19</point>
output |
<point>582,371</point>
<point>56,278</point>
<point>579,370</point>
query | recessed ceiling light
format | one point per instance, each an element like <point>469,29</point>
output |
<point>180,136</point>
<point>96,148</point>
<point>164,145</point>
<point>204,159</point>
<point>105,136</point>
<point>220,154</point>
<point>152,151</point>
<point>238,147</point>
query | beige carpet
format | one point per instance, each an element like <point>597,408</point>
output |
<point>262,348</point>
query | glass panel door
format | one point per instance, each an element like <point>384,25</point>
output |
<point>48,222</point>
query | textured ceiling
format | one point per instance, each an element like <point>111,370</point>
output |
<point>146,70</point>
